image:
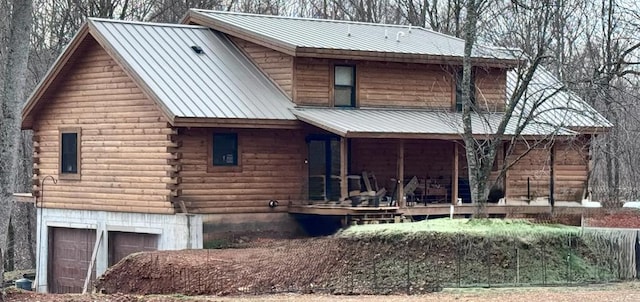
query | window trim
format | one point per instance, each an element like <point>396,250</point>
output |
<point>457,78</point>
<point>78,174</point>
<point>226,168</point>
<point>354,86</point>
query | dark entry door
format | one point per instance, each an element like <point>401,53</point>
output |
<point>324,168</point>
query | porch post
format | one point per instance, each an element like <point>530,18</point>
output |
<point>344,162</point>
<point>400,174</point>
<point>454,175</point>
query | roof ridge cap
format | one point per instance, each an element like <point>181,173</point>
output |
<point>159,24</point>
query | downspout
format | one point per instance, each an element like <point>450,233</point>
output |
<point>189,241</point>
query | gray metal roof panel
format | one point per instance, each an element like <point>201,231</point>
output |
<point>354,36</point>
<point>218,83</point>
<point>369,120</point>
<point>556,105</point>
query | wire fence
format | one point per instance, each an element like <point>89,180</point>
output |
<point>384,265</point>
<point>623,193</point>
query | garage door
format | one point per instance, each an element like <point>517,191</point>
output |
<point>69,256</point>
<point>122,244</point>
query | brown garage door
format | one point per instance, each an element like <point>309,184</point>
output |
<point>69,256</point>
<point>122,244</point>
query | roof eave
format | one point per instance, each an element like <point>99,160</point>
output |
<point>401,57</point>
<point>592,129</point>
<point>236,123</point>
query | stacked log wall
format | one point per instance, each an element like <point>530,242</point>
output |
<point>388,84</point>
<point>491,89</point>
<point>534,167</point>
<point>278,66</point>
<point>271,167</point>
<point>571,170</point>
<point>125,140</point>
<point>312,82</point>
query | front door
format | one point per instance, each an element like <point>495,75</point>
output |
<point>324,168</point>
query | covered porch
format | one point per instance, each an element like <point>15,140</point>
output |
<point>410,162</point>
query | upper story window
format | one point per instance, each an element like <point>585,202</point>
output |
<point>458,80</point>
<point>344,87</point>
<point>225,149</point>
<point>69,153</point>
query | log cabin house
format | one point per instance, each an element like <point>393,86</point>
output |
<point>168,136</point>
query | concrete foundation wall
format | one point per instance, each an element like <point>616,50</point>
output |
<point>234,226</point>
<point>175,232</point>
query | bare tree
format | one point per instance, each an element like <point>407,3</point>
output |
<point>521,108</point>
<point>12,98</point>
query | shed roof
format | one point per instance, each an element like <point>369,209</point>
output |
<point>399,123</point>
<point>295,34</point>
<point>220,82</point>
<point>557,105</point>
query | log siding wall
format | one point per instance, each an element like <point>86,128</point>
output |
<point>491,89</point>
<point>313,82</point>
<point>571,169</point>
<point>271,167</point>
<point>278,66</point>
<point>124,141</point>
<point>400,85</point>
<point>534,166</point>
<point>386,84</point>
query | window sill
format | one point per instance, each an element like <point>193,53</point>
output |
<point>65,176</point>
<point>214,169</point>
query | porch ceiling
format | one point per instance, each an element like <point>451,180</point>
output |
<point>405,123</point>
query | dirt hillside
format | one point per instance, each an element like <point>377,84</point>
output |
<point>363,265</point>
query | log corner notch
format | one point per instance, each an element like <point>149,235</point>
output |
<point>175,167</point>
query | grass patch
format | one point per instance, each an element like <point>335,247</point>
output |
<point>479,252</point>
<point>481,227</point>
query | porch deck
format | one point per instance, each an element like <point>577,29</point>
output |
<point>561,208</point>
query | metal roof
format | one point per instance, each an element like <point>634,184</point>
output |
<point>369,121</point>
<point>219,82</point>
<point>556,105</point>
<point>347,35</point>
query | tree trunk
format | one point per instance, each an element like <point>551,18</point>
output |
<point>473,162</point>
<point>11,103</point>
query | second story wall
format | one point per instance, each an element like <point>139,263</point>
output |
<point>395,85</point>
<point>278,66</point>
<point>491,88</point>
<point>389,84</point>
<point>310,81</point>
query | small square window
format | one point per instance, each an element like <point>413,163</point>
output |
<point>69,153</point>
<point>225,149</point>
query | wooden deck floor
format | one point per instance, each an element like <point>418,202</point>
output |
<point>564,208</point>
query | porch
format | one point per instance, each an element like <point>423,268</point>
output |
<point>562,208</point>
<point>413,163</point>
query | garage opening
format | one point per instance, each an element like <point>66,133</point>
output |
<point>69,257</point>
<point>122,244</point>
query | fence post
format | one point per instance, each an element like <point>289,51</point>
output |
<point>408,278</point>
<point>544,266</point>
<point>488,260</point>
<point>375,275</point>
<point>459,265</point>
<point>517,266</point>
